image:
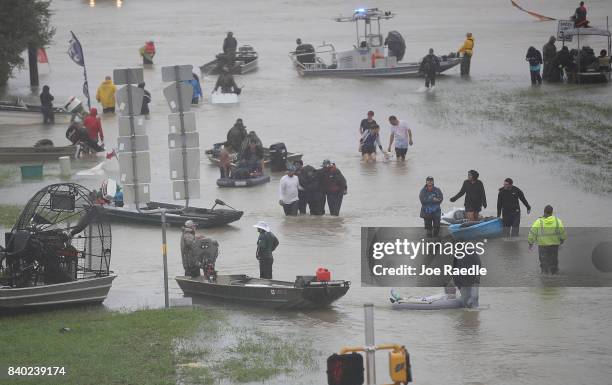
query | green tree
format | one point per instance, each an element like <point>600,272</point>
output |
<point>23,24</point>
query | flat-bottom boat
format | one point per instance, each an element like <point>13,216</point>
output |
<point>83,291</point>
<point>249,182</point>
<point>245,61</point>
<point>35,153</point>
<point>303,294</point>
<point>202,217</point>
<point>28,114</point>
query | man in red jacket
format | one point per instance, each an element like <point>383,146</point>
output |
<point>94,126</point>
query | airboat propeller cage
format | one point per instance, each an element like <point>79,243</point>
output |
<point>60,236</point>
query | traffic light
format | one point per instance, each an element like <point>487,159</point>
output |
<point>345,369</point>
<point>399,366</point>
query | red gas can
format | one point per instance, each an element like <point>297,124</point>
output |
<point>323,275</point>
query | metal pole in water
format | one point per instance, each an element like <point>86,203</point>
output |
<point>165,257</point>
<point>370,348</point>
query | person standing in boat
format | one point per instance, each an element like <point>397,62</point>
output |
<point>235,136</point>
<point>534,57</point>
<point>401,135</point>
<point>288,192</point>
<point>548,233</point>
<point>549,52</point>
<point>508,207</point>
<point>46,106</point>
<point>431,197</point>
<point>188,253</point>
<point>430,65</point>
<point>230,44</point>
<point>333,185</point>
<point>106,95</point>
<point>266,244</point>
<point>467,49</point>
<point>475,197</point>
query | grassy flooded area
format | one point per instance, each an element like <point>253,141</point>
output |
<point>9,215</point>
<point>179,345</point>
<point>571,123</point>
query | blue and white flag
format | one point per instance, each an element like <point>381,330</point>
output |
<point>86,89</point>
<point>75,51</point>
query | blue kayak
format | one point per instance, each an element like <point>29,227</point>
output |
<point>476,230</point>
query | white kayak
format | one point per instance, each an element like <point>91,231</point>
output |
<point>221,98</point>
<point>431,302</point>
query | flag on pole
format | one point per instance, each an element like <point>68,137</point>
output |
<point>42,56</point>
<point>75,51</point>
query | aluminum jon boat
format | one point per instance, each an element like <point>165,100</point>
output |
<point>245,61</point>
<point>301,294</point>
<point>371,56</point>
<point>35,154</point>
<point>28,114</point>
<point>204,218</point>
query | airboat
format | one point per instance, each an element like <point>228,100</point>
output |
<point>371,56</point>
<point>58,252</point>
<point>586,73</point>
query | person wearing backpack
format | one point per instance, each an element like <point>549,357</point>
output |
<point>266,244</point>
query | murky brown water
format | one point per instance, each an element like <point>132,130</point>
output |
<point>522,336</point>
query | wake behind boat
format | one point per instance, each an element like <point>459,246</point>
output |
<point>371,56</point>
<point>303,294</point>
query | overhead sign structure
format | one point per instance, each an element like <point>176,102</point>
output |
<point>132,143</point>
<point>183,138</point>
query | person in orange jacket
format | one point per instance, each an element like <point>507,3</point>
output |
<point>467,49</point>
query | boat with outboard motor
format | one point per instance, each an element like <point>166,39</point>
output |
<point>213,156</point>
<point>245,182</point>
<point>304,293</point>
<point>22,113</point>
<point>245,61</point>
<point>371,56</point>
<point>58,253</point>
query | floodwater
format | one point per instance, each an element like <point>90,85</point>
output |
<point>521,335</point>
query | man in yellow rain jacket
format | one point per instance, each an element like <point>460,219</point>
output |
<point>106,95</point>
<point>467,50</point>
<point>548,233</point>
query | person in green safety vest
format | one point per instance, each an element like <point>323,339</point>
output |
<point>548,233</point>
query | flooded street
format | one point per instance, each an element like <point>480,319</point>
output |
<point>519,336</point>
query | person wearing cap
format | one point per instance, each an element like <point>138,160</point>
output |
<point>105,95</point>
<point>266,244</point>
<point>188,254</point>
<point>548,233</point>
<point>431,197</point>
<point>366,125</point>
<point>333,185</point>
<point>508,207</point>
<point>401,134</point>
<point>475,197</point>
<point>467,49</point>
<point>549,51</point>
<point>288,192</point>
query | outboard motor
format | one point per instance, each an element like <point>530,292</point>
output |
<point>396,45</point>
<point>278,157</point>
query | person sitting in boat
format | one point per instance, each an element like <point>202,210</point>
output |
<point>375,56</point>
<point>305,52</point>
<point>188,252</point>
<point>226,82</point>
<point>588,60</point>
<point>266,244</point>
<point>46,106</point>
<point>603,60</point>
<point>580,20</point>
<point>430,65</point>
<point>252,160</point>
<point>235,136</point>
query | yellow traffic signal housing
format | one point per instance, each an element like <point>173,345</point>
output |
<point>399,366</point>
